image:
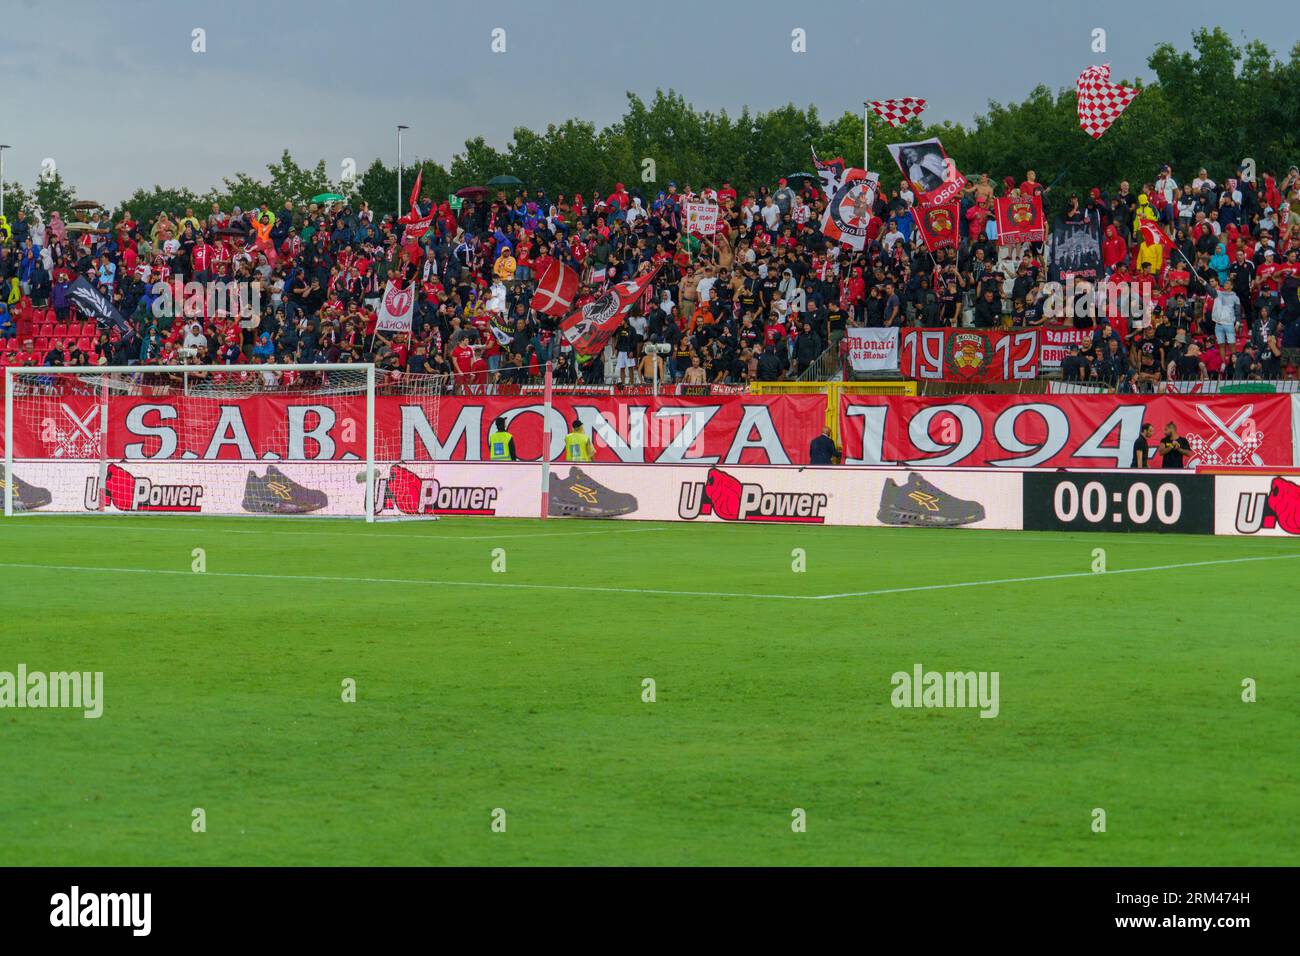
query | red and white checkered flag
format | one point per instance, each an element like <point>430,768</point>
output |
<point>897,112</point>
<point>1100,100</point>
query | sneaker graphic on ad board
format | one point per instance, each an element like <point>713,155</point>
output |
<point>581,496</point>
<point>917,502</point>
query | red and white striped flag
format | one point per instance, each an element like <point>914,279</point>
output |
<point>1100,100</point>
<point>897,112</point>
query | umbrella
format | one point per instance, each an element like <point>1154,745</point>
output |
<point>328,197</point>
<point>505,181</point>
<point>472,192</point>
<point>789,177</point>
<point>86,204</point>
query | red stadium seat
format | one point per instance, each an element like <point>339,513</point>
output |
<point>60,330</point>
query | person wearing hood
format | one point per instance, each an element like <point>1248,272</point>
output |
<point>1219,263</point>
<point>1114,249</point>
<point>635,212</point>
<point>1150,255</point>
<point>1145,212</point>
<point>619,198</point>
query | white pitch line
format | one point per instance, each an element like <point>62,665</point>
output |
<point>1053,577</point>
<point>660,592</point>
<point>411,581</point>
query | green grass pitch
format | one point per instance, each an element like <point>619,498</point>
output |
<point>223,691</point>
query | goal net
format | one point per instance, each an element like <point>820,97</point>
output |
<point>275,439</point>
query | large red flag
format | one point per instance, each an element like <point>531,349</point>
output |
<point>1153,235</point>
<point>937,224</point>
<point>1020,219</point>
<point>588,329</point>
<point>415,191</point>
<point>555,289</point>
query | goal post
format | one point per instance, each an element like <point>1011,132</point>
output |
<point>261,439</point>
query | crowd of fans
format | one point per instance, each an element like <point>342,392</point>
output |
<point>763,299</point>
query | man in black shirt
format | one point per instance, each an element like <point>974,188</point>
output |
<point>1142,448</point>
<point>1173,447</point>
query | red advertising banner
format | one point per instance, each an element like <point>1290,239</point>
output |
<point>733,429</point>
<point>969,355</point>
<point>1062,431</point>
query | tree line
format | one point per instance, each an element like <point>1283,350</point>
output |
<point>1210,106</point>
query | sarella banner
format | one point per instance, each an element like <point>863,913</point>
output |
<point>1063,431</point>
<point>732,429</point>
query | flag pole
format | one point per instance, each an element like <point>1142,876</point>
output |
<point>866,133</point>
<point>546,441</point>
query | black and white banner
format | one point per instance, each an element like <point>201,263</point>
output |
<point>90,301</point>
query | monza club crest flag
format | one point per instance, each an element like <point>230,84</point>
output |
<point>850,197</point>
<point>1020,220</point>
<point>396,308</point>
<point>588,329</point>
<point>937,224</point>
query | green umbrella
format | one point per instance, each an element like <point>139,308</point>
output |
<point>329,197</point>
<point>505,181</point>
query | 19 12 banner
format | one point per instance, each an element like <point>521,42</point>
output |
<point>969,355</point>
<point>1062,431</point>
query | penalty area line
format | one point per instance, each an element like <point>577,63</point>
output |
<point>1053,577</point>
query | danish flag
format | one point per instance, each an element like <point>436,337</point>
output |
<point>555,290</point>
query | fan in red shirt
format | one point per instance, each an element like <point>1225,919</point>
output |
<point>462,357</point>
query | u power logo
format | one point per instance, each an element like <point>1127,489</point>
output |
<point>1279,507</point>
<point>733,500</point>
<point>126,492</point>
<point>410,494</point>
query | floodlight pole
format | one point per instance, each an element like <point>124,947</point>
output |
<point>3,147</point>
<point>866,134</point>
<point>400,127</point>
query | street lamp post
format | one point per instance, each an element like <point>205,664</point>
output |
<point>3,147</point>
<point>400,127</point>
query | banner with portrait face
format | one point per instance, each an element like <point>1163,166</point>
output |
<point>934,177</point>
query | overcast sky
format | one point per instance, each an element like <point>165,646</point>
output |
<point>115,95</point>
